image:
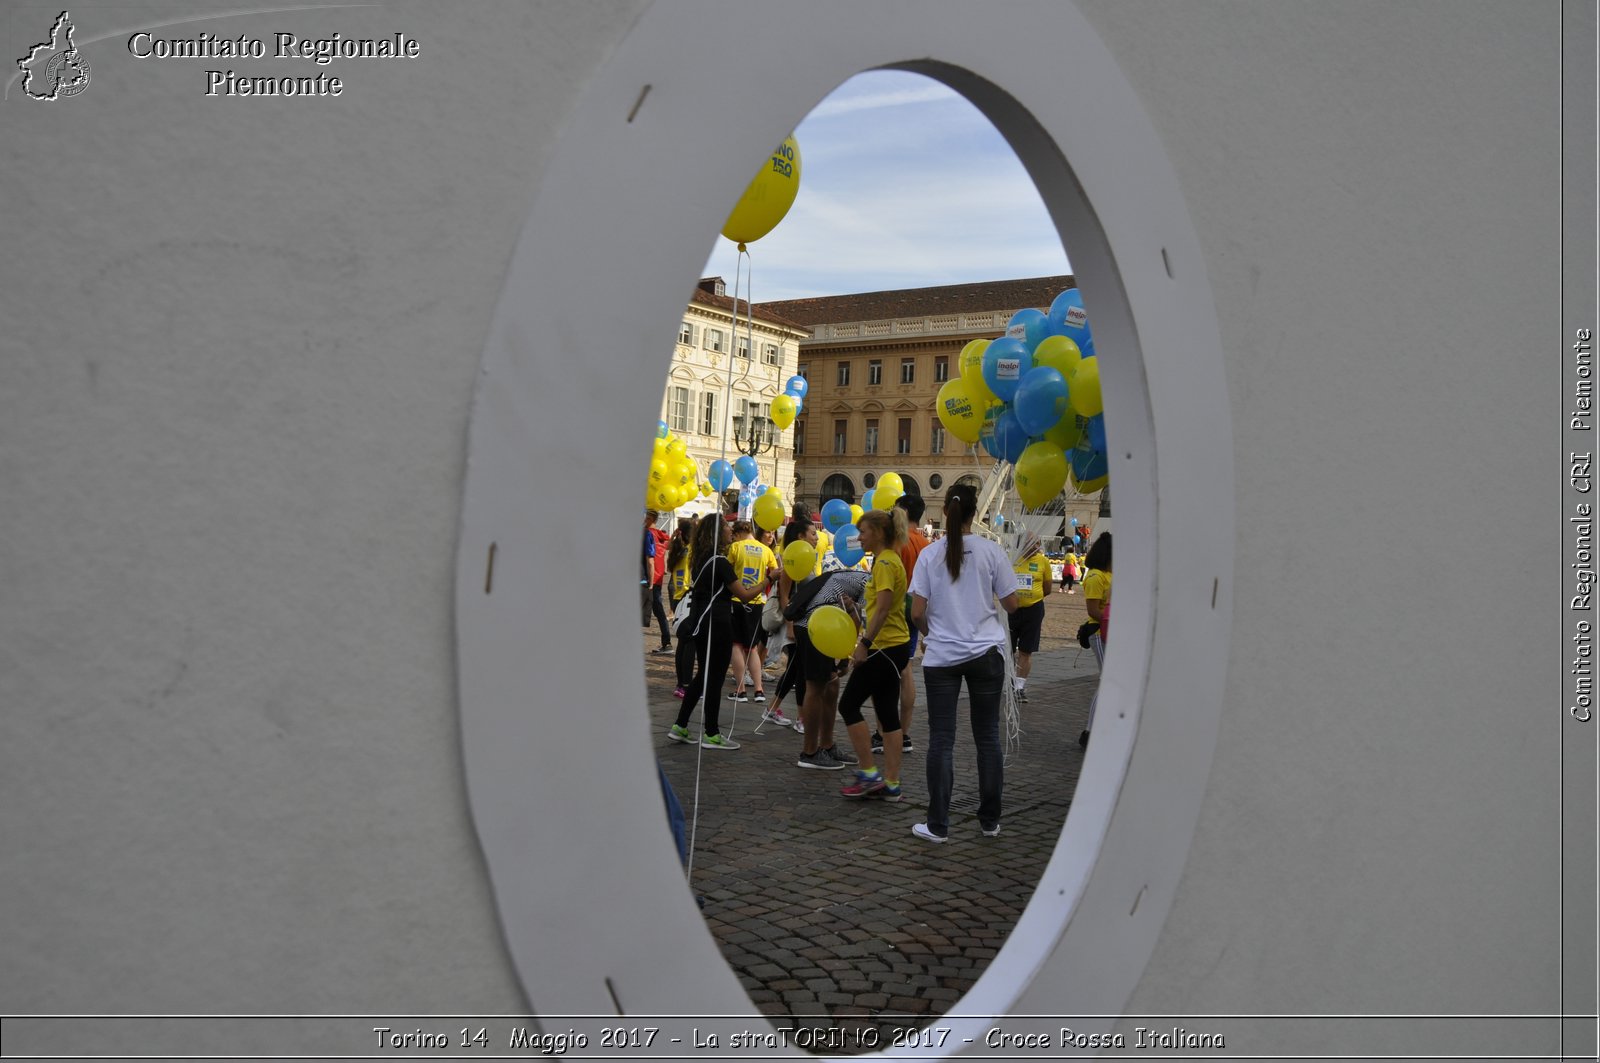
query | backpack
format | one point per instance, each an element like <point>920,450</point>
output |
<point>801,597</point>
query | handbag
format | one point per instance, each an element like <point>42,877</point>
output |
<point>680,613</point>
<point>772,615</point>
<point>1086,631</point>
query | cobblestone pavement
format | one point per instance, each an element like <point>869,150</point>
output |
<point>829,910</point>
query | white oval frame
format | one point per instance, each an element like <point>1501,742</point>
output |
<point>586,879</point>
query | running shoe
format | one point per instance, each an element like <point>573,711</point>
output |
<point>820,761</point>
<point>1022,696</point>
<point>877,742</point>
<point>906,746</point>
<point>738,695</point>
<point>658,651</point>
<point>992,832</point>
<point>890,792</point>
<point>799,728</point>
<point>865,784</point>
<point>761,696</point>
<point>843,756</point>
<point>678,734</point>
<point>776,716</point>
<point>717,742</point>
<point>921,830</point>
<point>680,693</point>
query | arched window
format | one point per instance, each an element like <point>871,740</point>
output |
<point>838,486</point>
<point>972,481</point>
<point>911,485</point>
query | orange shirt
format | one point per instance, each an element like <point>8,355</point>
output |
<point>916,542</point>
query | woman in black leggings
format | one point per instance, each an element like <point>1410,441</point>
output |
<point>882,653</point>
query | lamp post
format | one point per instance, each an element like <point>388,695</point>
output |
<point>755,436</point>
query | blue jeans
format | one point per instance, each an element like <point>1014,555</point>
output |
<point>985,678</point>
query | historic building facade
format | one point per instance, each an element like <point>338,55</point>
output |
<point>875,362</point>
<point>704,398</point>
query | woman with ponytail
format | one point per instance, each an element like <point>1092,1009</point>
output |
<point>883,652</point>
<point>961,583</point>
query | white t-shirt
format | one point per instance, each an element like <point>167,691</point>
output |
<point>964,616</point>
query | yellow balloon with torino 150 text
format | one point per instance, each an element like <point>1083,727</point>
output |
<point>959,412</point>
<point>769,196</point>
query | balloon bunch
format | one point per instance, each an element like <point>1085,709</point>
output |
<point>840,517</point>
<point>1032,398</point>
<point>786,407</point>
<point>674,477</point>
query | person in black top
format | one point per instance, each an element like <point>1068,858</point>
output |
<point>714,588</point>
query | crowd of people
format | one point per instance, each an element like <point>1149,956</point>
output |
<point>736,611</point>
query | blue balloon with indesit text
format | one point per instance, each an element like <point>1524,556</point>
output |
<point>847,545</point>
<point>1005,361</point>
<point>1030,326</point>
<point>1068,318</point>
<point>797,386</point>
<point>720,475</point>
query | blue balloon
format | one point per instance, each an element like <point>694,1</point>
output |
<point>745,469</point>
<point>866,501</point>
<point>1074,522</point>
<point>1068,318</point>
<point>1010,437</point>
<point>1096,433</point>
<point>835,515</point>
<point>1030,326</point>
<point>799,404</point>
<point>847,545</point>
<point>662,431</point>
<point>1086,464</point>
<point>720,475</point>
<point>797,386</point>
<point>761,489</point>
<point>1041,399</point>
<point>1004,362</point>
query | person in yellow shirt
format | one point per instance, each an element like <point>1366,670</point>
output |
<point>1033,583</point>
<point>1097,602</point>
<point>678,580</point>
<point>883,652</point>
<point>752,559</point>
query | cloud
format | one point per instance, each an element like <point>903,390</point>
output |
<point>903,184</point>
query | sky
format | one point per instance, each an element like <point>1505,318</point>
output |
<point>903,184</point>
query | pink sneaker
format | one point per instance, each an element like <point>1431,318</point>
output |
<point>680,693</point>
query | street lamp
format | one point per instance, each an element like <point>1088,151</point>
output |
<point>755,436</point>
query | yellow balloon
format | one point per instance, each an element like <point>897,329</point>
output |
<point>658,448</point>
<point>1084,387</point>
<point>832,631</point>
<point>888,488</point>
<point>959,412</point>
<point>706,490</point>
<point>1040,474</point>
<point>855,513</point>
<point>971,362</point>
<point>660,499</point>
<point>1067,432</point>
<point>768,198</point>
<point>1059,353</point>
<point>676,446</point>
<point>783,411</point>
<point>799,558</point>
<point>768,510</point>
<point>658,474</point>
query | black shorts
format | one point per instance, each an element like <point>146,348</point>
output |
<point>1026,623</point>
<point>746,623</point>
<point>814,665</point>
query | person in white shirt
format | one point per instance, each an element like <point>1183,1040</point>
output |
<point>961,583</point>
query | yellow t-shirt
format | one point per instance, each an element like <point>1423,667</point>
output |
<point>679,577</point>
<point>1032,572</point>
<point>1097,584</point>
<point>888,574</point>
<point>824,544</point>
<point>751,559</point>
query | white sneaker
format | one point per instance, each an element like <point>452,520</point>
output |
<point>991,832</point>
<point>921,830</point>
<point>799,728</point>
<point>776,716</point>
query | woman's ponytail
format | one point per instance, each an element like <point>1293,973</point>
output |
<point>960,506</point>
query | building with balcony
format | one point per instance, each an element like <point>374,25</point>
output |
<point>723,378</point>
<point>875,362</point>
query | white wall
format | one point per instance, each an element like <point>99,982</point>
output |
<point>235,375</point>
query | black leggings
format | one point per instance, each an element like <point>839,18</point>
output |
<point>879,679</point>
<point>715,642</point>
<point>793,676</point>
<point>683,659</point>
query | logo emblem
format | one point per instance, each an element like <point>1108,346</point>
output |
<point>55,68</point>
